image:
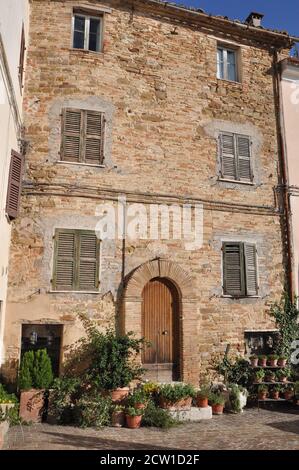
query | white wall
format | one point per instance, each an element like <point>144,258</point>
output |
<point>13,14</point>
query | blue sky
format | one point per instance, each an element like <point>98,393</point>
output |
<point>279,14</point>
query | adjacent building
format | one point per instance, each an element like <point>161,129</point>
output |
<point>13,30</point>
<point>134,112</point>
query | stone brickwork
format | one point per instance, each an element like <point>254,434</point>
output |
<point>156,80</point>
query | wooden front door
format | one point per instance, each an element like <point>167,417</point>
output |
<point>160,327</point>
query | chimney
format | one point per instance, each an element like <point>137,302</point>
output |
<point>255,19</point>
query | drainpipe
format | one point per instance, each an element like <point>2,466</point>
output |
<point>284,172</point>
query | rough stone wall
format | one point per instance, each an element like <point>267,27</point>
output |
<point>165,107</point>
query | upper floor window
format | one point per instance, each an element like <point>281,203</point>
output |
<point>240,278</point>
<point>22,58</point>
<point>227,64</point>
<point>235,157</point>
<point>82,136</point>
<point>87,32</point>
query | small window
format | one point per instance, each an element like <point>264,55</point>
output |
<point>87,32</point>
<point>82,136</point>
<point>22,59</point>
<point>235,157</point>
<point>76,260</point>
<point>227,64</point>
<point>239,269</point>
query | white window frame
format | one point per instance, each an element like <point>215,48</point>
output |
<point>87,29</point>
<point>225,50</point>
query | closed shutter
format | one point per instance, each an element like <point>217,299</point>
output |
<point>72,132</point>
<point>228,158</point>
<point>14,187</point>
<point>251,269</point>
<point>88,261</point>
<point>243,151</point>
<point>65,256</point>
<point>233,269</point>
<point>94,138</point>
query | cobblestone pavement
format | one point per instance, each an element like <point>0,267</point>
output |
<point>264,429</point>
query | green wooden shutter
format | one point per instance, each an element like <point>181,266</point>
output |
<point>94,137</point>
<point>228,157</point>
<point>251,269</point>
<point>14,186</point>
<point>243,145</point>
<point>71,135</point>
<point>88,273</point>
<point>64,260</point>
<point>233,269</point>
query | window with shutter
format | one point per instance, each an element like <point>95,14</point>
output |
<point>14,184</point>
<point>239,269</point>
<point>235,155</point>
<point>76,260</point>
<point>83,136</point>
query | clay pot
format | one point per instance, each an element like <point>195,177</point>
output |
<point>217,409</point>
<point>258,380</point>
<point>32,405</point>
<point>262,395</point>
<point>119,394</point>
<point>272,362</point>
<point>288,395</point>
<point>133,422</point>
<point>254,362</point>
<point>282,362</point>
<point>118,419</point>
<point>181,405</point>
<point>202,402</point>
<point>140,406</point>
<point>275,395</point>
<point>262,362</point>
<point>270,379</point>
<point>283,379</point>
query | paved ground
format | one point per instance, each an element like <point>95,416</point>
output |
<point>264,429</point>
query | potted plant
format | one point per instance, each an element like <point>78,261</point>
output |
<point>289,392</point>
<point>118,416</point>
<point>272,360</point>
<point>262,392</point>
<point>254,361</point>
<point>259,376</point>
<point>270,376</point>
<point>217,401</point>
<point>176,397</point>
<point>35,376</point>
<point>262,360</point>
<point>283,374</point>
<point>282,361</point>
<point>133,417</point>
<point>137,399</point>
<point>7,400</point>
<point>275,392</point>
<point>202,397</point>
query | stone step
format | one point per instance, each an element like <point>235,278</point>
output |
<point>194,414</point>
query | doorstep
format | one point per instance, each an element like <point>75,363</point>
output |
<point>194,414</point>
<point>4,425</point>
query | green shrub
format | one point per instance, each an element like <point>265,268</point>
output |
<point>92,410</point>
<point>174,393</point>
<point>236,371</point>
<point>26,371</point>
<point>131,411</point>
<point>157,417</point>
<point>138,396</point>
<point>35,370</point>
<point>216,398</point>
<point>204,392</point>
<point>64,393</point>
<point>6,397</point>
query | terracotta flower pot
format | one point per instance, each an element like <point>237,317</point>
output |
<point>283,379</point>
<point>32,405</point>
<point>119,394</point>
<point>282,362</point>
<point>270,379</point>
<point>118,419</point>
<point>288,395</point>
<point>272,362</point>
<point>202,402</point>
<point>217,409</point>
<point>262,362</point>
<point>275,395</point>
<point>258,380</point>
<point>133,422</point>
<point>262,395</point>
<point>140,406</point>
<point>181,405</point>
<point>254,362</point>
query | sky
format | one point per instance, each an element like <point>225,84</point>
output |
<point>279,14</point>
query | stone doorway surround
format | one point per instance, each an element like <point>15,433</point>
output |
<point>189,319</point>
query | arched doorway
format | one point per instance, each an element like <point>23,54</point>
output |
<point>160,324</point>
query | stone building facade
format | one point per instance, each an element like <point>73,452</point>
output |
<point>168,111</point>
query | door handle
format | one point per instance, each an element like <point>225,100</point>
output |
<point>165,332</point>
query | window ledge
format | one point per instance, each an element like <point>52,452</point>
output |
<point>248,183</point>
<point>99,54</point>
<point>61,162</point>
<point>224,296</point>
<point>73,292</point>
<point>230,82</point>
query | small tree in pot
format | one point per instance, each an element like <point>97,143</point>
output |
<point>35,376</point>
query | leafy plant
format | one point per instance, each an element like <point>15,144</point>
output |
<point>235,397</point>
<point>204,392</point>
<point>259,374</point>
<point>131,411</point>
<point>282,373</point>
<point>262,389</point>
<point>174,393</point>
<point>92,410</point>
<point>158,417</point>
<point>216,398</point>
<point>35,370</point>
<point>262,356</point>
<point>273,357</point>
<point>286,315</point>
<point>6,397</point>
<point>64,393</point>
<point>236,371</point>
<point>254,357</point>
<point>277,388</point>
<point>137,397</point>
<point>150,388</point>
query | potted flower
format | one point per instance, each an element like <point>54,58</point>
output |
<point>283,374</point>
<point>118,416</point>
<point>254,361</point>
<point>282,361</point>
<point>272,360</point>
<point>270,376</point>
<point>275,392</point>
<point>7,400</point>
<point>202,397</point>
<point>217,401</point>
<point>176,397</point>
<point>133,418</point>
<point>262,360</point>
<point>262,392</point>
<point>289,392</point>
<point>137,399</point>
<point>259,376</point>
<point>35,376</point>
